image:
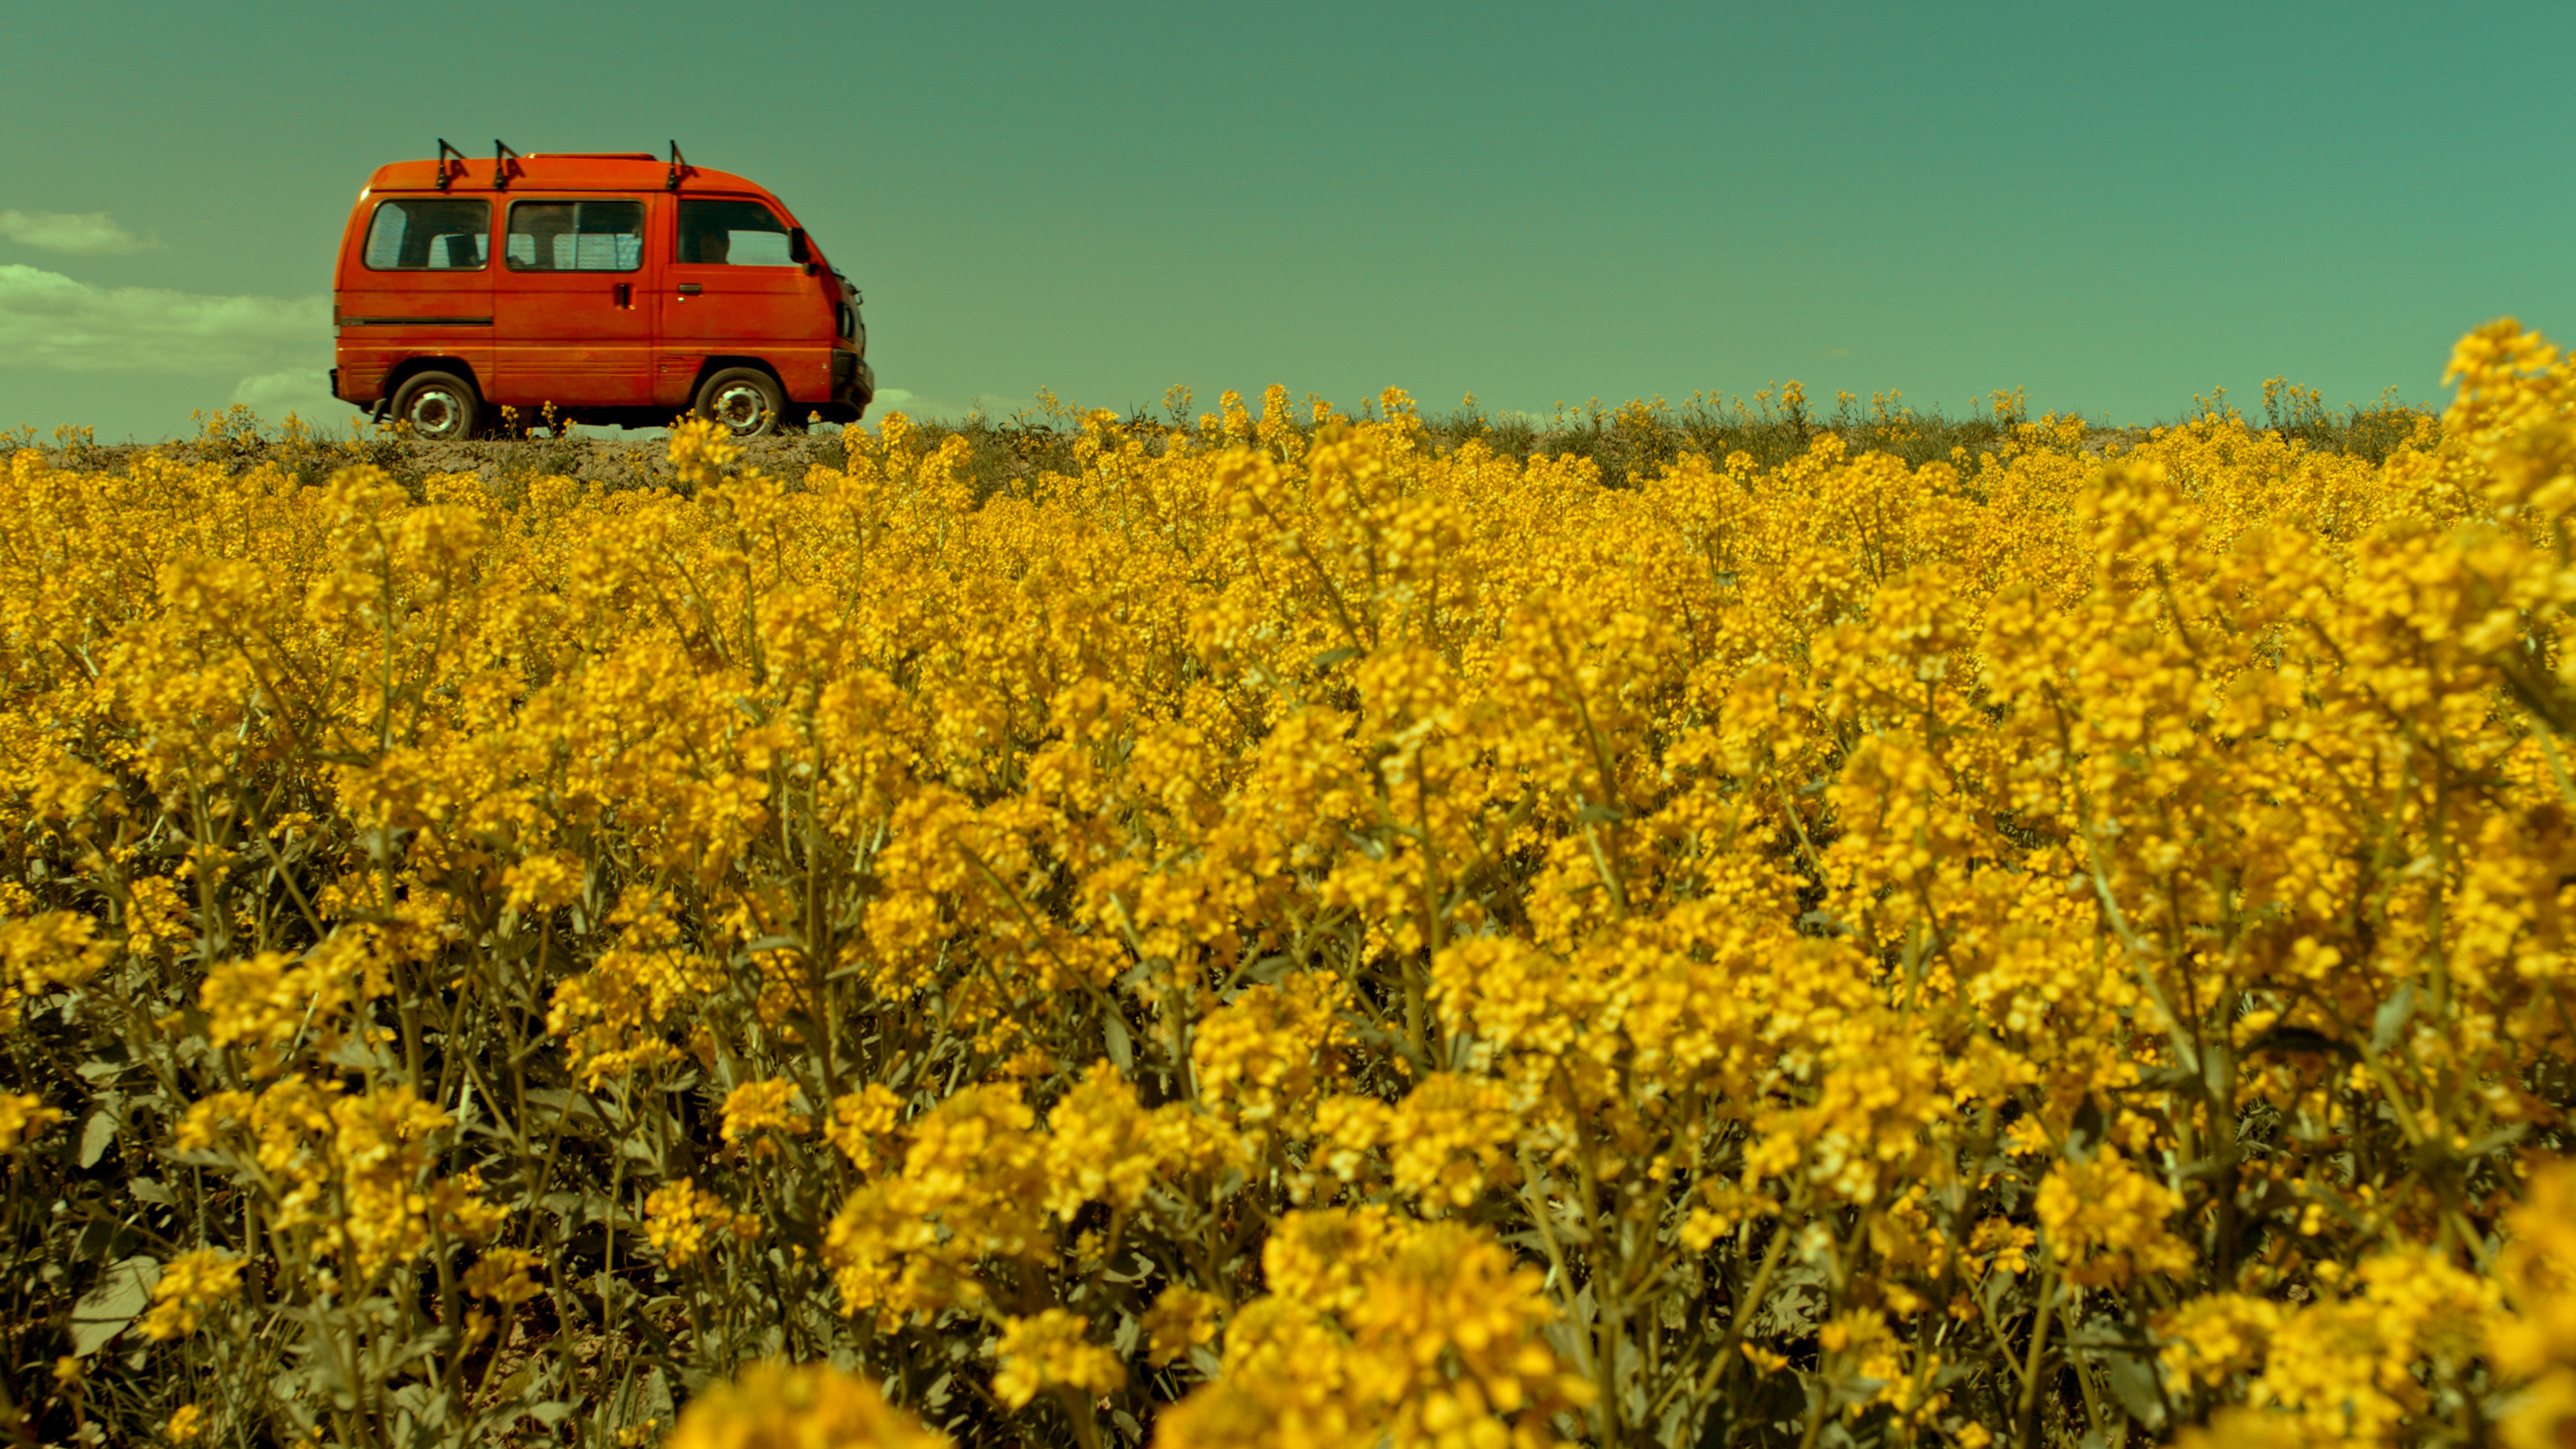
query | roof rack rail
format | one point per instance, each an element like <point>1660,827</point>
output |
<point>444,151</point>
<point>679,163</point>
<point>502,156</point>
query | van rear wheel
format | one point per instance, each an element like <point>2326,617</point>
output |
<point>440,406</point>
<point>745,400</point>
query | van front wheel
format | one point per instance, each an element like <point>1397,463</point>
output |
<point>745,400</point>
<point>440,407</point>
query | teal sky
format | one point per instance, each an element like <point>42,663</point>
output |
<point>2115,207</point>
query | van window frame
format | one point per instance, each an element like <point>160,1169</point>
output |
<point>366,239</point>
<point>777,213</point>
<point>643,231</point>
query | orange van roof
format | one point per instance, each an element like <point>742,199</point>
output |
<point>623,171</point>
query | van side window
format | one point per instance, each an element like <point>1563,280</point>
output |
<point>575,236</point>
<point>732,233</point>
<point>430,234</point>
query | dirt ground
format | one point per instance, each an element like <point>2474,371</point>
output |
<point>611,462</point>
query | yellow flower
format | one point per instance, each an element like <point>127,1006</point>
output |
<point>44,952</point>
<point>22,1117</point>
<point>1422,1334</point>
<point>1097,1145</point>
<point>190,1284</point>
<point>2536,1341</point>
<point>1181,1319</point>
<point>862,1126</point>
<point>543,882</point>
<point>1426,927</point>
<point>2104,1222</point>
<point>503,1275</point>
<point>771,1406</point>
<point>1052,1350</point>
<point>1451,1138</point>
<point>1268,1052</point>
<point>682,1221</point>
<point>756,1108</point>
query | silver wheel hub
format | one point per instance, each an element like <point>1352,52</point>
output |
<point>433,414</point>
<point>740,407</point>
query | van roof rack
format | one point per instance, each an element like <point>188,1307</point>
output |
<point>444,151</point>
<point>679,163</point>
<point>589,156</point>
<point>502,156</point>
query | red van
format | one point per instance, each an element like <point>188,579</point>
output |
<point>618,287</point>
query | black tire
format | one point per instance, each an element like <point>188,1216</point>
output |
<point>440,406</point>
<point>745,400</point>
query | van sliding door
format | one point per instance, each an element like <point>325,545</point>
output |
<point>573,316</point>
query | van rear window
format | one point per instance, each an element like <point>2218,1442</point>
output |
<point>575,236</point>
<point>733,233</point>
<point>430,234</point>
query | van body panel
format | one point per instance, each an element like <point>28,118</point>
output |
<point>550,300</point>
<point>388,314</point>
<point>573,335</point>
<point>572,339</point>
<point>709,306</point>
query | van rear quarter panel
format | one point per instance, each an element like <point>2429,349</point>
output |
<point>387,318</point>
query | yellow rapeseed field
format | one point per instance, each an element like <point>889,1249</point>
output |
<point>1285,935</point>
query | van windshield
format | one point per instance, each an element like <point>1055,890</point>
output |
<point>732,233</point>
<point>575,236</point>
<point>430,234</point>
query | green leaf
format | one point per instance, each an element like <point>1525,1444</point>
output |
<point>513,1386</point>
<point>97,1133</point>
<point>656,1398</point>
<point>2133,1382</point>
<point>425,1403</point>
<point>104,1311</point>
<point>2391,1017</point>
<point>2502,1137</point>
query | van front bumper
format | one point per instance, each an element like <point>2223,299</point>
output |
<point>854,386</point>
<point>853,381</point>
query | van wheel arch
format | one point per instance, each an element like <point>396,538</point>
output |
<point>440,407</point>
<point>403,372</point>
<point>790,417</point>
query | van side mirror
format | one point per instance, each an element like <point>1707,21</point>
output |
<point>798,249</point>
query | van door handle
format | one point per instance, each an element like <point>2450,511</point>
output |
<point>626,294</point>
<point>690,289</point>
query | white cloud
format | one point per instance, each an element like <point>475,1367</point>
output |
<point>897,400</point>
<point>303,391</point>
<point>85,234</point>
<point>51,322</point>
<point>992,405</point>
